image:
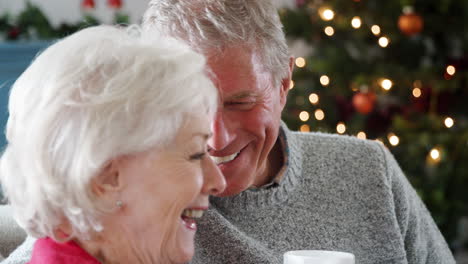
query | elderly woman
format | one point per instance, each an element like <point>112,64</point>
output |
<point>106,159</point>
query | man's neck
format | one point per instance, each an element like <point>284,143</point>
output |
<point>273,165</point>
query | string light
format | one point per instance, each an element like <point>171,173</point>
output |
<point>393,139</point>
<point>383,42</point>
<point>305,128</point>
<point>434,156</point>
<point>326,14</point>
<point>330,31</point>
<point>340,128</point>
<point>324,80</point>
<point>304,116</point>
<point>313,98</point>
<point>375,30</point>
<point>356,22</point>
<point>417,92</point>
<point>451,70</point>
<point>300,62</point>
<point>291,84</point>
<point>386,84</point>
<point>361,135</point>
<point>380,141</point>
<point>319,114</point>
<point>449,122</point>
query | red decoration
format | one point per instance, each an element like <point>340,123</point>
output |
<point>410,23</point>
<point>364,102</point>
<point>13,33</point>
<point>88,4</point>
<point>117,4</point>
<point>300,3</point>
<point>447,76</point>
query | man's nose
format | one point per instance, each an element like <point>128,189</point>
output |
<point>223,135</point>
<point>214,182</point>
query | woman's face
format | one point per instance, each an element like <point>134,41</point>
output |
<point>165,191</point>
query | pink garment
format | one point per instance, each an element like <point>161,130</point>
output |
<point>47,251</point>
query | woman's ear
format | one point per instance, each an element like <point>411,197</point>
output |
<point>109,180</point>
<point>63,231</point>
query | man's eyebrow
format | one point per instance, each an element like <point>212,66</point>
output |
<point>242,95</point>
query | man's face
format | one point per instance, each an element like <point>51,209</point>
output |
<point>247,122</point>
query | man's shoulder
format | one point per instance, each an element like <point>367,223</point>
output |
<point>332,144</point>
<point>329,158</point>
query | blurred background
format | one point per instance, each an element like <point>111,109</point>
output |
<point>395,71</point>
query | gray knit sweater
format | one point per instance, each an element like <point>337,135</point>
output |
<point>338,193</point>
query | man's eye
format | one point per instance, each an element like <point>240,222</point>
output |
<point>239,105</point>
<point>198,156</point>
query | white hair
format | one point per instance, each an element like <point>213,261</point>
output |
<point>210,25</point>
<point>98,94</point>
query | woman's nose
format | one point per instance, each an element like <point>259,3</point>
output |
<point>214,182</point>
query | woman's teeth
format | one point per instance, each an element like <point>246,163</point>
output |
<point>220,160</point>
<point>192,213</point>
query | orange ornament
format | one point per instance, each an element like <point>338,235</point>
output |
<point>364,102</point>
<point>410,23</point>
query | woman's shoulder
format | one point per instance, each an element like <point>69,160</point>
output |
<point>46,250</point>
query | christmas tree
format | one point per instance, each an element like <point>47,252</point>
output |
<point>393,71</point>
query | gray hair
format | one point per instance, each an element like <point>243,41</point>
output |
<point>98,94</point>
<point>209,25</point>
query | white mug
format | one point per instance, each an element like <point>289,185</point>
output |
<point>318,257</point>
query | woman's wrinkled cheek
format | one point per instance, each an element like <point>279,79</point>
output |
<point>169,229</point>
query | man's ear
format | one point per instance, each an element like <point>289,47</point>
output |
<point>286,83</point>
<point>109,180</point>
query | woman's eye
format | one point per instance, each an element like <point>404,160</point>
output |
<point>198,156</point>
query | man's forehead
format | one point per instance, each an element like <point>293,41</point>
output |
<point>238,73</point>
<point>231,77</point>
<point>234,66</point>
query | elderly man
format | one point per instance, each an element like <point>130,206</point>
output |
<point>287,190</point>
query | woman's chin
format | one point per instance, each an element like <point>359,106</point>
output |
<point>185,244</point>
<point>184,254</point>
<point>186,257</point>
